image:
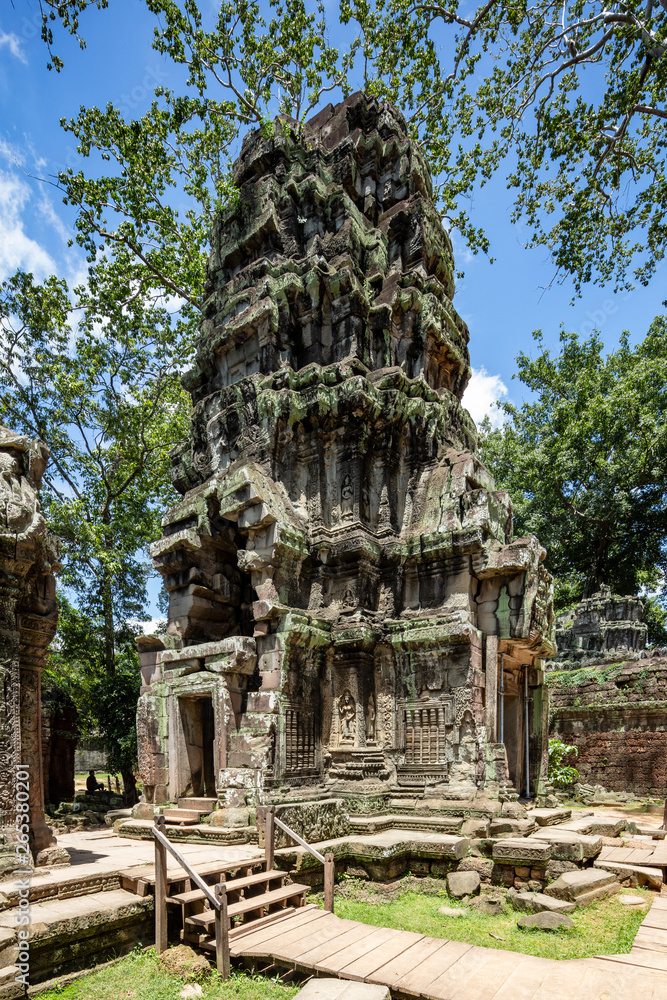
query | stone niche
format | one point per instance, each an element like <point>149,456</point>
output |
<point>28,618</point>
<point>601,627</point>
<point>342,574</point>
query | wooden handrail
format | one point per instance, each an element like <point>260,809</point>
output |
<point>299,840</point>
<point>327,860</point>
<point>198,881</point>
<point>217,898</point>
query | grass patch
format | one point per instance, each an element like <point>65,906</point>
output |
<point>604,928</point>
<point>139,977</point>
<point>581,676</point>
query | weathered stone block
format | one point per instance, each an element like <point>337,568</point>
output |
<point>460,884</point>
<point>584,886</point>
<point>526,853</point>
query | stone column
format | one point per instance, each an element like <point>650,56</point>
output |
<point>28,618</point>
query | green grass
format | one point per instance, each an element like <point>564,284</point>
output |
<point>604,928</point>
<point>139,977</point>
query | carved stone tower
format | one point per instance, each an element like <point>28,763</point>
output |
<point>341,572</point>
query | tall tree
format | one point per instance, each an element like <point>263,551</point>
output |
<point>566,97</point>
<point>585,461</point>
<point>98,379</point>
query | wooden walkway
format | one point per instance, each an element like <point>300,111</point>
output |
<point>413,965</point>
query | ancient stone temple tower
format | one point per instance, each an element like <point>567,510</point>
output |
<point>28,618</point>
<point>343,584</point>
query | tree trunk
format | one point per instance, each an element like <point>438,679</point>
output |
<point>129,788</point>
<point>597,573</point>
<point>107,611</point>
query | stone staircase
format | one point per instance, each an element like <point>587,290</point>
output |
<point>190,811</point>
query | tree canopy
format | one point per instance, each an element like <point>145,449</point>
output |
<point>566,99</point>
<point>585,461</point>
<point>96,375</point>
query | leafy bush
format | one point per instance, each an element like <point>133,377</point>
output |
<point>561,773</point>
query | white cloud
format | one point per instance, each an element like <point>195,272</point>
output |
<point>13,42</point>
<point>17,249</point>
<point>31,229</point>
<point>482,393</point>
<point>149,627</point>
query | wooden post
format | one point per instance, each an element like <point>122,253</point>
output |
<point>269,836</point>
<point>160,889</point>
<point>222,932</point>
<point>329,875</point>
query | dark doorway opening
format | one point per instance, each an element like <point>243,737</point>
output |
<point>198,723</point>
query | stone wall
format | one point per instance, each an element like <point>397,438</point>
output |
<point>616,716</point>
<point>90,752</point>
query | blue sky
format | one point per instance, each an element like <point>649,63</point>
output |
<point>502,302</point>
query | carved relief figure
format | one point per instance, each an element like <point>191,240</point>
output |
<point>347,496</point>
<point>347,710</point>
<point>370,719</point>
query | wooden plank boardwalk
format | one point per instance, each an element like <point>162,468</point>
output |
<point>313,941</point>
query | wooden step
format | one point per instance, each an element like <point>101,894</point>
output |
<point>145,874</point>
<point>182,816</point>
<point>241,931</point>
<point>196,895</point>
<point>293,892</point>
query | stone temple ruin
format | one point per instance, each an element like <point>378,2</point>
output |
<point>28,618</point>
<point>601,626</point>
<point>350,620</point>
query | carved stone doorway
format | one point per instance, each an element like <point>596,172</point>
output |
<point>198,730</point>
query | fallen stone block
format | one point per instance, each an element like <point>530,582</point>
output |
<point>460,884</point>
<point>488,906</point>
<point>538,902</point>
<point>641,874</point>
<point>566,845</point>
<point>504,827</point>
<point>637,902</point>
<point>475,828</point>
<point>454,911</point>
<point>549,817</point>
<point>520,852</point>
<point>600,826</point>
<point>583,887</point>
<point>545,921</point>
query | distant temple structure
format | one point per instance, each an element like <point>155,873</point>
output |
<point>601,625</point>
<point>28,618</point>
<point>349,617</point>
